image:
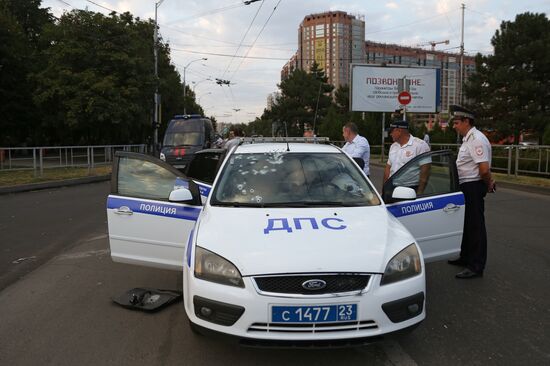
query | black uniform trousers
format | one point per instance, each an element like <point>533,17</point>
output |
<point>473,250</point>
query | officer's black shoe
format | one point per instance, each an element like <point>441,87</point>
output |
<point>458,262</point>
<point>468,273</point>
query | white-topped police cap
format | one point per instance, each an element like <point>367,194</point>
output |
<point>459,111</point>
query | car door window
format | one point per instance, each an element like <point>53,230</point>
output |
<point>429,174</point>
<point>145,179</point>
<point>204,166</point>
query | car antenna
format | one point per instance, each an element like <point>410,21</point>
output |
<point>286,138</point>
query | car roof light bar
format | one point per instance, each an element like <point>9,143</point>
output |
<point>187,116</point>
<point>255,140</point>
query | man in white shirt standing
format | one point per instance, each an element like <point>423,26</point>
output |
<point>474,175</point>
<point>404,149</point>
<point>356,145</point>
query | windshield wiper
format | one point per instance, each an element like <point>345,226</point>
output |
<point>284,204</point>
<point>235,204</point>
<point>332,203</point>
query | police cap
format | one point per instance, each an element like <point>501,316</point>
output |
<point>457,111</point>
<point>398,123</point>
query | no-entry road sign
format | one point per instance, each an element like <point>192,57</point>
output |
<point>404,97</point>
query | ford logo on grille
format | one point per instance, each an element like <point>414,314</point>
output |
<point>313,285</point>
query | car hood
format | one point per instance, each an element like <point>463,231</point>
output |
<point>259,241</point>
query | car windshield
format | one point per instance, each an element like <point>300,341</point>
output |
<point>191,138</point>
<point>281,179</point>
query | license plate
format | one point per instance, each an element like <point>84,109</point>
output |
<point>179,166</point>
<point>314,314</point>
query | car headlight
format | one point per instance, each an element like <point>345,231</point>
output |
<point>212,267</point>
<point>403,265</point>
<point>162,157</point>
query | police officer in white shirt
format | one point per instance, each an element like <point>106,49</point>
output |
<point>404,148</point>
<point>474,175</point>
<point>356,145</point>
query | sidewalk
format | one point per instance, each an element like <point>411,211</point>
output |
<point>54,184</point>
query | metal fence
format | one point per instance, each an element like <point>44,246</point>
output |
<point>515,160</point>
<point>509,159</point>
<point>39,158</point>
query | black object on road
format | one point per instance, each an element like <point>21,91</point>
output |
<point>148,299</point>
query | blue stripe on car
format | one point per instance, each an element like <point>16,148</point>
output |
<point>425,205</point>
<point>155,208</point>
<point>189,248</point>
<point>204,190</point>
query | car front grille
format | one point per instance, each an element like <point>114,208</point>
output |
<point>335,283</point>
<point>313,327</point>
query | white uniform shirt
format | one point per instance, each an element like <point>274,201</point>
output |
<point>359,148</point>
<point>400,155</point>
<point>475,149</point>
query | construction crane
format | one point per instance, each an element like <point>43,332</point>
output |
<point>433,43</point>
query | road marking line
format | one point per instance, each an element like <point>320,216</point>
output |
<point>17,261</point>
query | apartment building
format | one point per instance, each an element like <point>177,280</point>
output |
<point>333,40</point>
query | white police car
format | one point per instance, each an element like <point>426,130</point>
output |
<point>291,244</point>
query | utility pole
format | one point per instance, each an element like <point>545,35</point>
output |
<point>317,106</point>
<point>156,121</point>
<point>383,131</point>
<point>461,98</point>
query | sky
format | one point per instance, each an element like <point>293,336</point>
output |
<point>249,44</point>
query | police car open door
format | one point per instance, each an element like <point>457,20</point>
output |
<point>436,216</point>
<point>151,211</point>
<point>203,169</point>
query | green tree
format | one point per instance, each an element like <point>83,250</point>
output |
<point>98,84</point>
<point>331,125</point>
<point>510,89</point>
<point>21,44</point>
<point>304,99</point>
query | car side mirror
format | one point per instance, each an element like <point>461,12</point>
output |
<point>181,195</point>
<point>403,194</point>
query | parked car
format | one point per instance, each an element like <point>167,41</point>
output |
<point>288,243</point>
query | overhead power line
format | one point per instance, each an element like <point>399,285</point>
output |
<point>209,12</point>
<point>242,40</point>
<point>65,3</point>
<point>227,55</point>
<point>258,36</point>
<point>101,6</point>
<point>411,23</point>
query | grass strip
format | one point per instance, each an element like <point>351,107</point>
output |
<point>19,177</point>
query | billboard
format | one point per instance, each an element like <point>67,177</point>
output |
<point>320,50</point>
<point>374,88</point>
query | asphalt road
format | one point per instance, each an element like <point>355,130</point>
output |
<point>56,307</point>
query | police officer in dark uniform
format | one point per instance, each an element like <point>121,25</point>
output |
<point>474,173</point>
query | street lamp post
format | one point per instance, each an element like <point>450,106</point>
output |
<point>156,122</point>
<point>200,81</point>
<point>185,85</point>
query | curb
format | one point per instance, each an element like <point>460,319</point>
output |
<point>54,184</point>
<point>524,188</point>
